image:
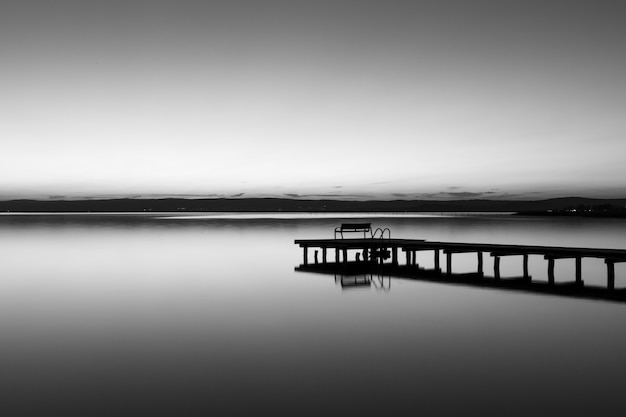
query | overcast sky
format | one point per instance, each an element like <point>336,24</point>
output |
<point>354,99</point>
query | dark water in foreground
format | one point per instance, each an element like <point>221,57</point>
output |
<point>144,315</point>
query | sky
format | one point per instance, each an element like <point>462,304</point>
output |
<point>364,99</point>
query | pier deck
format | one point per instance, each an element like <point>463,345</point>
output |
<point>384,253</point>
<point>456,247</point>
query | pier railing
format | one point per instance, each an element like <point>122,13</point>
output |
<point>379,233</point>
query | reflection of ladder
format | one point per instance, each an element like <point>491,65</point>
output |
<point>379,282</point>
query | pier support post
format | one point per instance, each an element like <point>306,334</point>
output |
<point>437,267</point>
<point>345,255</point>
<point>551,271</point>
<point>579,274</point>
<point>449,264</point>
<point>306,255</point>
<point>610,272</point>
<point>480,264</point>
<point>315,256</point>
<point>525,266</point>
<point>336,255</point>
<point>394,255</point>
<point>414,258</point>
<point>324,258</point>
<point>496,267</point>
<point>408,257</point>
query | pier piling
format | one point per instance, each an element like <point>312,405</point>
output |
<point>550,270</point>
<point>496,266</point>
<point>610,270</point>
<point>525,267</point>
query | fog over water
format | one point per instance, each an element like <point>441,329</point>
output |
<point>122,314</point>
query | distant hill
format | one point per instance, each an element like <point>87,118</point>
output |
<point>550,206</point>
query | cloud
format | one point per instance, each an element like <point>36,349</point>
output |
<point>458,195</point>
<point>467,194</point>
<point>342,196</point>
<point>332,196</point>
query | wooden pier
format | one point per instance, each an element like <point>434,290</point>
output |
<point>397,257</point>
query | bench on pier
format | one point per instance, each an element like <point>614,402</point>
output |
<point>364,228</point>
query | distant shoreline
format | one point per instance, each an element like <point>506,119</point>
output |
<point>592,214</point>
<point>574,206</point>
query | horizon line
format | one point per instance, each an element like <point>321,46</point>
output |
<point>351,199</point>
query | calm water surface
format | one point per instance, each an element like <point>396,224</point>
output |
<point>185,315</point>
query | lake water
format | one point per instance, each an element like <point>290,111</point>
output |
<point>196,315</point>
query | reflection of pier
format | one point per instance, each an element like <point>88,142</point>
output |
<point>382,256</point>
<point>353,274</point>
<point>366,279</point>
